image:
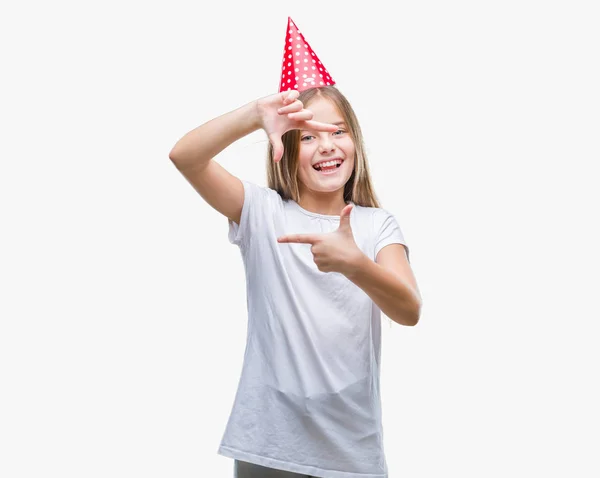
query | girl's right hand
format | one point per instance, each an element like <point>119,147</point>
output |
<point>283,112</point>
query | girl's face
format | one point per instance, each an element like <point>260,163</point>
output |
<point>318,146</point>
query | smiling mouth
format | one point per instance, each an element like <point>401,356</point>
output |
<point>328,168</point>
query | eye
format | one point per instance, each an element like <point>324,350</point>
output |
<point>334,133</point>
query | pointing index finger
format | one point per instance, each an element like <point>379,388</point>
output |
<point>298,238</point>
<point>316,125</point>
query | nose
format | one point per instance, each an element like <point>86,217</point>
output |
<point>326,145</point>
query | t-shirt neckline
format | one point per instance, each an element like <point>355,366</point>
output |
<point>315,214</point>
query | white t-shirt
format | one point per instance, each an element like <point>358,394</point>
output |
<point>308,397</point>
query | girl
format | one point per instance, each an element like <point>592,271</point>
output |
<point>322,259</point>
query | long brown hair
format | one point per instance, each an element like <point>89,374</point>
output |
<point>283,177</point>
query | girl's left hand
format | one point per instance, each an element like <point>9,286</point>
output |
<point>334,251</point>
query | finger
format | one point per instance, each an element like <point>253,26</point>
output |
<point>321,126</point>
<point>345,217</point>
<point>277,146</point>
<point>289,96</point>
<point>301,115</point>
<point>299,238</point>
<point>295,106</point>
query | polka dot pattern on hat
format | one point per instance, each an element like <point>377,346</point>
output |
<point>301,68</point>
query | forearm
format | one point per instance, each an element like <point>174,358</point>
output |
<point>396,299</point>
<point>203,143</point>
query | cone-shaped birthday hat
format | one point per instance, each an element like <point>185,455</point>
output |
<point>302,68</point>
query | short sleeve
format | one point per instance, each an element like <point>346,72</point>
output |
<point>255,210</point>
<point>388,232</point>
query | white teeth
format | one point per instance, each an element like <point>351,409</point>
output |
<point>329,163</point>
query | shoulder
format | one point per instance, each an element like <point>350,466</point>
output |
<point>261,193</point>
<point>375,215</point>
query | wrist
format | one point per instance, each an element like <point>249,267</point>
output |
<point>254,115</point>
<point>356,265</point>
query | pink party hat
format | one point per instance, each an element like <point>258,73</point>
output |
<point>301,68</point>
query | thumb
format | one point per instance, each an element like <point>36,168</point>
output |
<point>345,217</point>
<point>275,140</point>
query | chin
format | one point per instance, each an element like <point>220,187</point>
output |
<point>327,187</point>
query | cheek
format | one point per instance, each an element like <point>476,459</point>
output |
<point>348,145</point>
<point>305,159</point>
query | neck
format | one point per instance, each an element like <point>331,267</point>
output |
<point>330,204</point>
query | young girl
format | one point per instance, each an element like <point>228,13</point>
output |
<point>322,260</point>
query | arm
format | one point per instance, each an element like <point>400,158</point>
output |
<point>200,145</point>
<point>192,155</point>
<point>389,282</point>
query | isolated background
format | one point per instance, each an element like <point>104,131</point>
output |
<point>123,308</point>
